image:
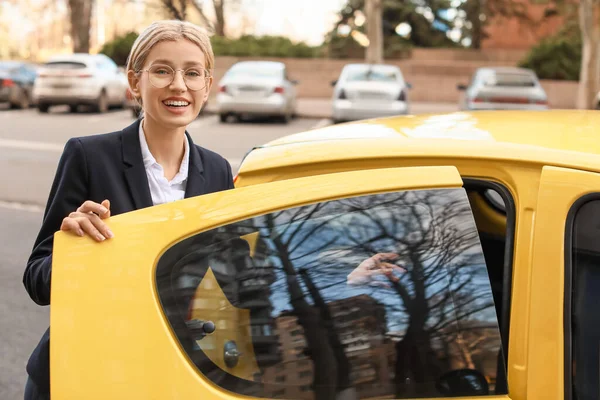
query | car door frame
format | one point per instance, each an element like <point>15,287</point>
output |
<point>549,353</point>
<point>84,270</point>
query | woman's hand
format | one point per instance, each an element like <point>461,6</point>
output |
<point>375,265</point>
<point>88,219</point>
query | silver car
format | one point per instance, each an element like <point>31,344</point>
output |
<point>257,88</point>
<point>504,88</point>
<point>369,91</point>
<point>80,79</point>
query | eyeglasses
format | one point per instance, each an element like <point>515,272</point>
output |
<point>161,76</point>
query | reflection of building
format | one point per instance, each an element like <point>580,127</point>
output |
<point>473,345</point>
<point>360,324</point>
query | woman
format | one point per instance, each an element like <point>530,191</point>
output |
<point>150,162</point>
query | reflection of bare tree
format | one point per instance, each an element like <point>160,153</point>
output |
<point>445,284</point>
<point>343,366</point>
<point>321,353</point>
<point>427,230</point>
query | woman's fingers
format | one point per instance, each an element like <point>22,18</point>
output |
<point>106,204</point>
<point>393,267</point>
<point>71,225</point>
<point>93,207</point>
<point>87,223</point>
<point>89,228</point>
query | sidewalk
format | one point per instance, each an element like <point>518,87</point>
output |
<point>321,108</point>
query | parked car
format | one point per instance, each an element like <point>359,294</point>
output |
<point>369,91</point>
<point>257,88</point>
<point>16,83</point>
<point>420,256</point>
<point>503,88</point>
<point>80,79</point>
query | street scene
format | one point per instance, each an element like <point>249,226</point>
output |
<point>384,271</point>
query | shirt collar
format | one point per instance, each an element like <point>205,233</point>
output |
<point>149,159</point>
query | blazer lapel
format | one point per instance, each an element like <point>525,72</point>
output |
<point>135,173</point>
<point>195,183</point>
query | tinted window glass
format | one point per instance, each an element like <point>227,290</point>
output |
<point>585,299</point>
<point>65,65</point>
<point>509,79</point>
<point>381,295</point>
<point>372,73</point>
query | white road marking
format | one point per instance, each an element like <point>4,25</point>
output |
<point>31,145</point>
<point>322,123</point>
<point>21,206</point>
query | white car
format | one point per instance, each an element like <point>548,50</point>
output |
<point>369,91</point>
<point>80,79</point>
<point>257,88</point>
<point>503,88</point>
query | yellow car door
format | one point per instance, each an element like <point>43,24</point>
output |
<point>363,284</point>
<point>564,354</point>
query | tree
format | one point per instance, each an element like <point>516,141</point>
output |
<point>178,9</point>
<point>374,12</point>
<point>589,20</point>
<point>80,15</point>
<point>426,19</point>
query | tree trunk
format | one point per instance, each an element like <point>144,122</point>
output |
<point>374,14</point>
<point>589,20</point>
<point>220,17</point>
<point>80,12</point>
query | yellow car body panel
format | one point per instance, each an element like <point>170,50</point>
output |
<point>113,341</point>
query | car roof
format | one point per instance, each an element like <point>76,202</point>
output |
<point>566,137</point>
<point>74,57</point>
<point>277,64</point>
<point>511,70</point>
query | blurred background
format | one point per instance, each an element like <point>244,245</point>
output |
<point>282,67</point>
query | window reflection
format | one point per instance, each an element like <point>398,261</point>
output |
<point>373,296</point>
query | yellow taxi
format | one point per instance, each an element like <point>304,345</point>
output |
<point>428,256</point>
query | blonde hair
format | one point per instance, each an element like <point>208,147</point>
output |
<point>169,30</point>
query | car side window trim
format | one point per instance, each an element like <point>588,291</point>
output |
<point>508,254</point>
<point>568,291</point>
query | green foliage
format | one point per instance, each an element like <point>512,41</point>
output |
<point>262,46</point>
<point>345,47</point>
<point>557,57</point>
<point>119,48</point>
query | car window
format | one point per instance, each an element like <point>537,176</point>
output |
<point>379,296</point>
<point>509,79</point>
<point>371,73</point>
<point>65,65</point>
<point>585,296</point>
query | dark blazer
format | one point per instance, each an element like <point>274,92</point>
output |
<point>107,166</point>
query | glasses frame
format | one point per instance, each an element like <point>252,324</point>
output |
<point>183,71</point>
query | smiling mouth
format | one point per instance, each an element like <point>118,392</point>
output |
<point>176,103</point>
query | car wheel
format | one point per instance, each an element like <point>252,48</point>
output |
<point>102,103</point>
<point>73,108</point>
<point>23,102</point>
<point>43,107</point>
<point>223,118</point>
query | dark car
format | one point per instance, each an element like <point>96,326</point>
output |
<point>16,83</point>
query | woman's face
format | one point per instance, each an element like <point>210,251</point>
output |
<point>174,104</point>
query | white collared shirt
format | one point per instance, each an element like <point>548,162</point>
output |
<point>161,189</point>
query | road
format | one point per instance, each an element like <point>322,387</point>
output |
<point>30,147</point>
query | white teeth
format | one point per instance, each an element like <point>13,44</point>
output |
<point>176,103</point>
